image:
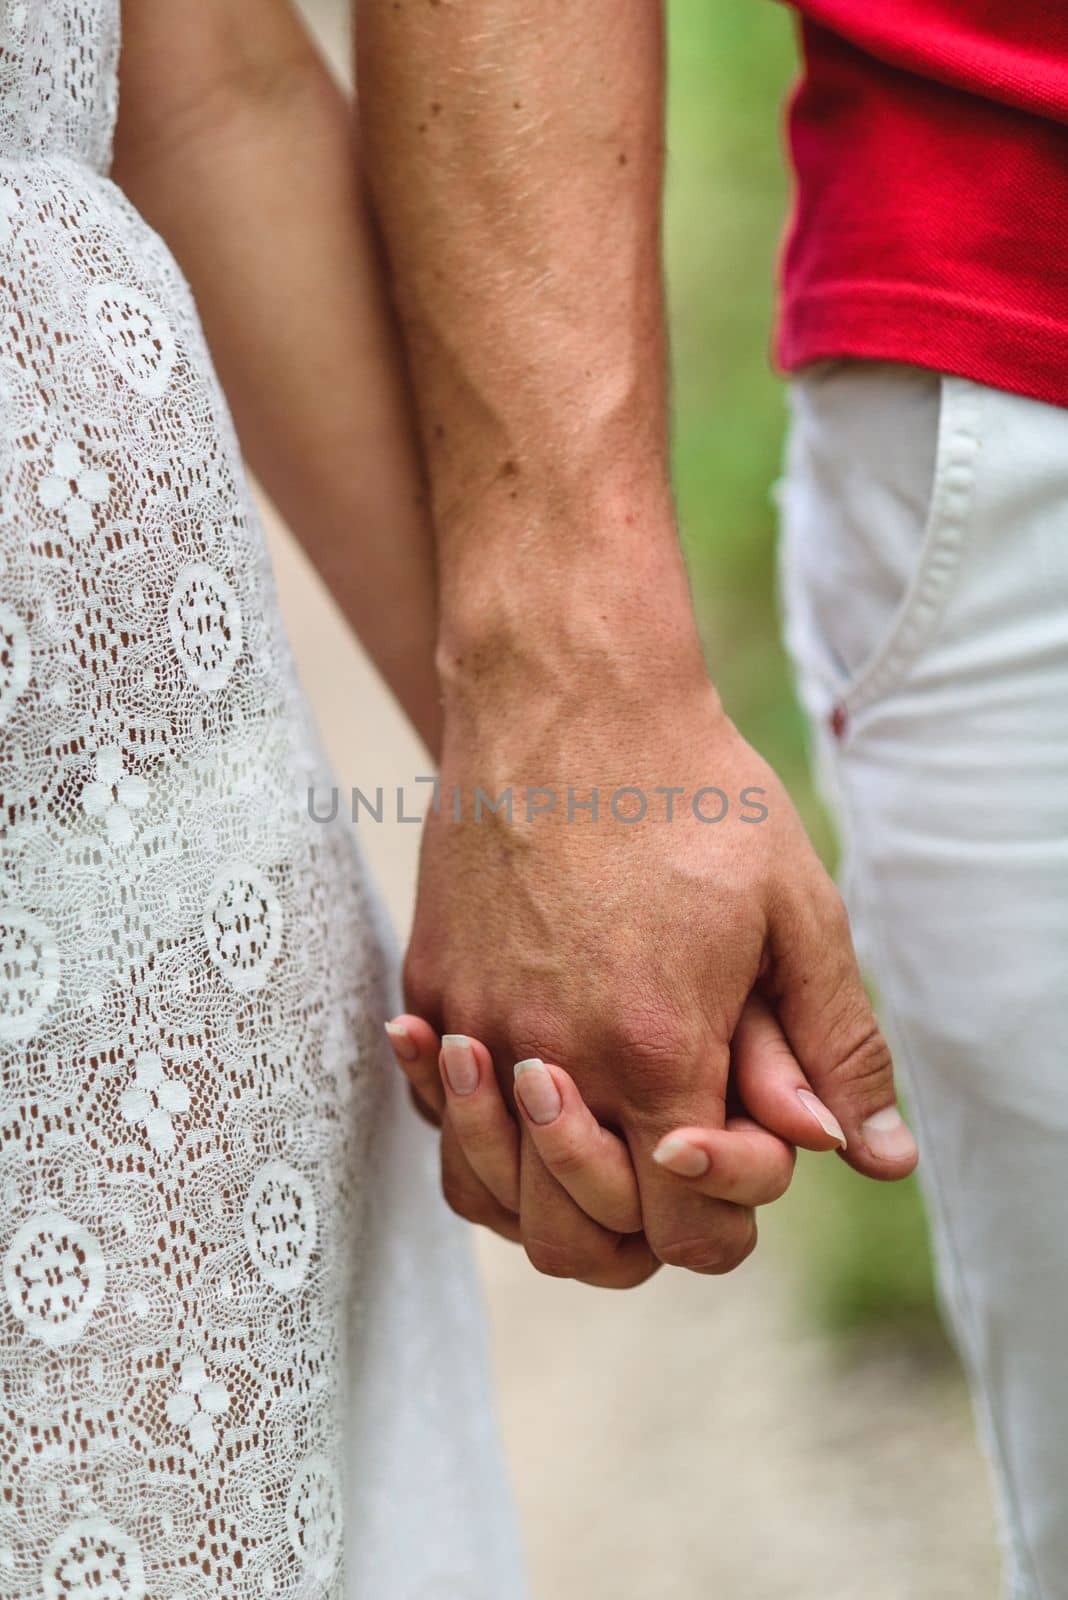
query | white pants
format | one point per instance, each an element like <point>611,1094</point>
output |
<point>925,583</point>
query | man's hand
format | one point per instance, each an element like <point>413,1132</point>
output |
<point>627,951</point>
<point>515,150</point>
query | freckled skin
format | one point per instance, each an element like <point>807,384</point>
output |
<point>528,280</point>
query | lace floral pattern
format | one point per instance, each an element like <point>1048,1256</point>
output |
<point>240,1349</point>
<point>183,966</point>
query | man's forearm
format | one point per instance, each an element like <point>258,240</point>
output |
<point>238,147</point>
<point>515,148</point>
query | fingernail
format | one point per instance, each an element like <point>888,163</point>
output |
<point>823,1115</point>
<point>681,1157</point>
<point>401,1040</point>
<point>458,1060</point>
<point>887,1136</point>
<point>536,1091</point>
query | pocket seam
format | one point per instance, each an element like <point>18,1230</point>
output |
<point>940,550</point>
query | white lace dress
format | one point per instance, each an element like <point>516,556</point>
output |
<point>239,1349</point>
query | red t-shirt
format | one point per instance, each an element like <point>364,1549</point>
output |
<point>930,146</point>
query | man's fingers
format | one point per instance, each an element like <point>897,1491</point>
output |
<point>742,1163</point>
<point>771,1086</point>
<point>686,1228</point>
<point>482,1123</point>
<point>631,1263</point>
<point>589,1161</point>
<point>415,1047</point>
<point>563,1242</point>
<point>831,1026</point>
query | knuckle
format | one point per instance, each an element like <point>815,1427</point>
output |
<point>863,1060</point>
<point>554,1258</point>
<point>655,1063</point>
<point>630,1271</point>
<point>566,1155</point>
<point>653,1045</point>
<point>536,1032</point>
<point>812,916</point>
<point>710,1254</point>
<point>693,1255</point>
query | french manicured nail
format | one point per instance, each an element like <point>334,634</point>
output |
<point>401,1040</point>
<point>887,1136</point>
<point>458,1060</point>
<point>536,1091</point>
<point>686,1160</point>
<point>823,1115</point>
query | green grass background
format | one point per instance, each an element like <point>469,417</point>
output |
<point>861,1247</point>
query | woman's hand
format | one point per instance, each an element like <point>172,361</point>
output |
<point>486,1151</point>
<point>553,1152</point>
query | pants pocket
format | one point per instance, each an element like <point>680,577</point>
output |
<point>879,474</point>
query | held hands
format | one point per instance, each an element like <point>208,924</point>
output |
<point>660,962</point>
<point>591,1202</point>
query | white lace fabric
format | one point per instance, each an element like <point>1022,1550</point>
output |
<point>191,995</point>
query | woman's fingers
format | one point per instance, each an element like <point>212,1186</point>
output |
<point>452,1083</point>
<point>415,1046</point>
<point>742,1163</point>
<point>466,1193</point>
<point>589,1162</point>
<point>771,1085</point>
<point>480,1159</point>
<point>483,1125</point>
<point>571,1163</point>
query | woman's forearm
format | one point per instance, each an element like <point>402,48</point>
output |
<point>238,147</point>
